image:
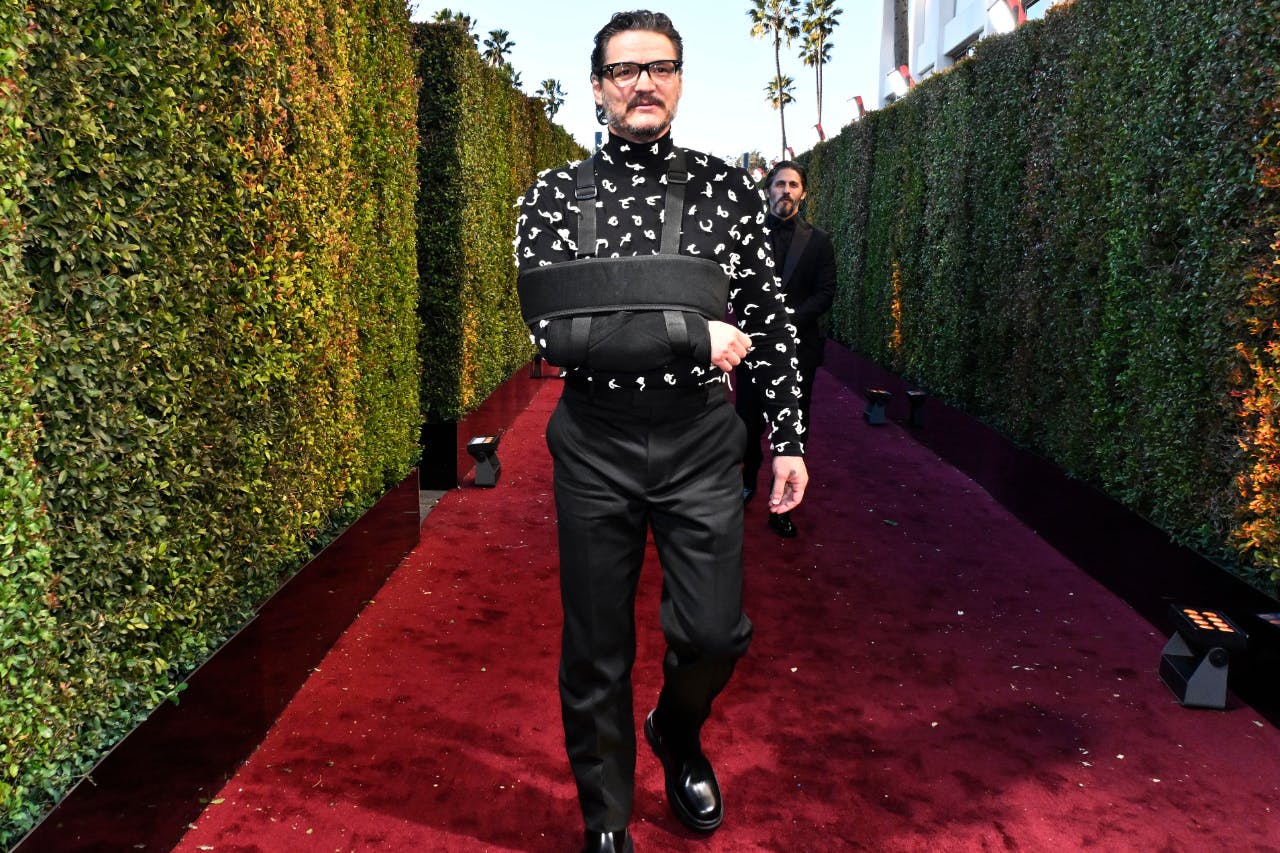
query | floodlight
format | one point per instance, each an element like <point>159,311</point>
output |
<point>1007,15</point>
<point>1195,660</point>
<point>900,81</point>
<point>484,449</point>
<point>877,399</point>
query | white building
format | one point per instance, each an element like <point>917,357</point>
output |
<point>942,32</point>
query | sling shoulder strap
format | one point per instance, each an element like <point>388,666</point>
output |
<point>673,213</point>
<point>585,193</point>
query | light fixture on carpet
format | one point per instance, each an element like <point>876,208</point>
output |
<point>877,399</point>
<point>1195,661</point>
<point>916,400</point>
<point>1007,15</point>
<point>484,449</point>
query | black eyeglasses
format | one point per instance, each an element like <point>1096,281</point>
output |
<point>626,73</point>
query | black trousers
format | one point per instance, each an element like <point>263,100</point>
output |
<point>626,463</point>
<point>748,404</point>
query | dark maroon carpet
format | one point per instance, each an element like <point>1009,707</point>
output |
<point>927,675</point>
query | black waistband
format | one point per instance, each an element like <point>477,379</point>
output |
<point>578,391</point>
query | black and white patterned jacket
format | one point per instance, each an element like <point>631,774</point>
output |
<point>723,221</point>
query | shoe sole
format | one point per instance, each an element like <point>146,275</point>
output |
<point>681,813</point>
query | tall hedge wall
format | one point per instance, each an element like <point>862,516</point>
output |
<point>1073,236</point>
<point>482,143</point>
<point>208,253</point>
<point>29,674</point>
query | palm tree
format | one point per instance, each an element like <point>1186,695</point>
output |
<point>818,24</point>
<point>447,16</point>
<point>901,36</point>
<point>778,19</point>
<point>552,96</point>
<point>511,74</point>
<point>780,92</point>
<point>497,46</point>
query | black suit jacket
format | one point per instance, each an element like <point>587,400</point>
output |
<point>809,280</point>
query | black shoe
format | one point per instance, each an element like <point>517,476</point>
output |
<point>747,494</point>
<point>617,841</point>
<point>781,524</point>
<point>691,784</point>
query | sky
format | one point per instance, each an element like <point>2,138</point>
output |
<point>724,109</point>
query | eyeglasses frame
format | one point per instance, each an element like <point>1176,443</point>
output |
<point>607,71</point>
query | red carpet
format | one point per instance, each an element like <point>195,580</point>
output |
<point>926,675</point>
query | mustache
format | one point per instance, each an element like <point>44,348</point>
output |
<point>646,101</point>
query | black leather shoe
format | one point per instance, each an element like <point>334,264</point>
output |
<point>747,494</point>
<point>781,524</point>
<point>617,841</point>
<point>691,784</point>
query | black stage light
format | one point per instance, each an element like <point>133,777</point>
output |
<point>877,399</point>
<point>484,449</point>
<point>1195,661</point>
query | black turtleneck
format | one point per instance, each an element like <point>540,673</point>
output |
<point>781,232</point>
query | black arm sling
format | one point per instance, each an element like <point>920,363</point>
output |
<point>668,282</point>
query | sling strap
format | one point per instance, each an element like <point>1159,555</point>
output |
<point>586,286</point>
<point>585,193</point>
<point>669,282</point>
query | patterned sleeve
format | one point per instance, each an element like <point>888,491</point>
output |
<point>545,225</point>
<point>761,311</point>
<point>545,231</point>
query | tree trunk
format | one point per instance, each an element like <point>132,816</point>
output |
<point>901,35</point>
<point>782,101</point>
<point>817,73</point>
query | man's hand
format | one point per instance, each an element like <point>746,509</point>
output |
<point>728,345</point>
<point>789,480</point>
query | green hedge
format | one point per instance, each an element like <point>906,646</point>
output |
<point>1071,235</point>
<point>29,672</point>
<point>482,143</point>
<point>209,284</point>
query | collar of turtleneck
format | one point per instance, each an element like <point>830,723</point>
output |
<point>773,223</point>
<point>644,153</point>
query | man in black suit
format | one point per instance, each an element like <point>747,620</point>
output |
<point>806,264</point>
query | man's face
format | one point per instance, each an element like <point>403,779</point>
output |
<point>642,110</point>
<point>785,193</point>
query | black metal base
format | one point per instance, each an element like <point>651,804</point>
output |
<point>1198,680</point>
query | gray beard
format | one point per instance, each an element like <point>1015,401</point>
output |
<point>644,134</point>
